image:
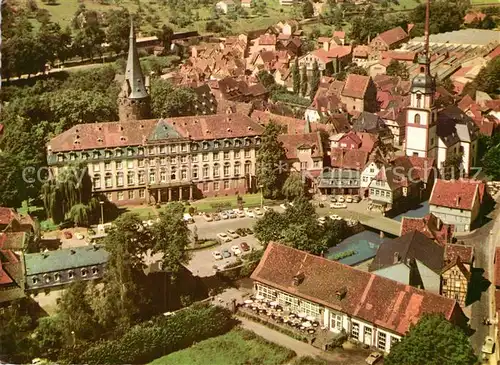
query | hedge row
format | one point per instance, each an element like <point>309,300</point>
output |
<point>161,336</point>
<point>273,326</point>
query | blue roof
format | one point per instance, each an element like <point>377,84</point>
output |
<point>65,259</point>
<point>365,244</point>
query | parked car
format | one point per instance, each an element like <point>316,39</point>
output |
<point>240,213</point>
<point>224,215</point>
<point>231,233</point>
<point>236,250</point>
<point>341,199</point>
<point>258,212</point>
<point>335,217</point>
<point>216,217</point>
<point>226,254</point>
<point>244,246</point>
<point>207,217</point>
<point>321,220</point>
<point>348,199</point>
<point>223,237</point>
<point>333,199</point>
<point>79,236</point>
<point>250,213</point>
<point>284,206</point>
<point>217,255</point>
<point>248,230</point>
<point>68,235</point>
<point>231,214</point>
<point>241,232</point>
<point>488,345</point>
<point>373,358</point>
<point>267,209</point>
<point>338,206</point>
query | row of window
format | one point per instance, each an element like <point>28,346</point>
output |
<point>382,193</point>
<point>130,195</point>
<point>47,278</point>
<point>163,175</point>
<point>367,336</point>
<point>153,150</point>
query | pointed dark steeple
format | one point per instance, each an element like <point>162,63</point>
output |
<point>133,73</point>
<point>134,100</point>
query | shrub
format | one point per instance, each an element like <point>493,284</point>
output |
<point>161,336</point>
<point>342,255</point>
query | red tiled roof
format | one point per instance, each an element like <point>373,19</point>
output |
<point>5,279</point>
<point>361,51</point>
<point>322,55</point>
<point>7,215</point>
<point>428,225</point>
<point>12,240</point>
<point>422,165</point>
<point>452,251</point>
<point>493,104</point>
<point>455,194</point>
<point>465,103</point>
<point>384,98</point>
<point>339,51</point>
<point>356,86</point>
<point>462,71</point>
<point>267,40</point>
<point>291,125</point>
<point>291,142</point>
<point>122,134</point>
<point>393,35</point>
<point>324,102</point>
<point>324,40</point>
<point>494,53</point>
<point>386,303</point>
<point>471,17</point>
<point>348,159</point>
<point>400,56</point>
<point>339,33</point>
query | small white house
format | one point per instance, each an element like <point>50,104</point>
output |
<point>225,6</point>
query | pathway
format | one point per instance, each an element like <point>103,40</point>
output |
<point>301,348</point>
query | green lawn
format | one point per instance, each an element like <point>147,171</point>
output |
<point>234,348</point>
<point>405,4</point>
<point>64,11</point>
<point>249,201</point>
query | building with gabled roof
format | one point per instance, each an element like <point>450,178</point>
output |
<point>304,153</point>
<point>431,226</point>
<point>359,94</point>
<point>455,279</point>
<point>464,252</point>
<point>389,39</point>
<point>457,202</point>
<point>371,309</point>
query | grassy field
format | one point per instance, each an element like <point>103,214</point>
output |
<point>64,11</point>
<point>234,348</point>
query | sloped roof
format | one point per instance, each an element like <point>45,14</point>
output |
<point>356,86</point>
<point>455,194</point>
<point>452,251</point>
<point>368,122</point>
<point>291,125</point>
<point>412,245</point>
<point>64,259</point>
<point>348,159</point>
<point>393,35</point>
<point>375,299</point>
<point>291,142</point>
<point>428,226</point>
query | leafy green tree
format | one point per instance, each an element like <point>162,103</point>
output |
<point>118,305</point>
<point>117,31</point>
<point>49,337</point>
<point>316,77</point>
<point>12,186</point>
<point>88,40</point>
<point>270,162</point>
<point>491,162</point>
<point>170,101</point>
<point>452,167</point>
<point>165,36</point>
<point>307,9</point>
<point>446,17</point>
<point>303,82</point>
<point>171,238</point>
<point>357,70</point>
<point>293,186</point>
<point>266,79</point>
<point>397,68</point>
<point>433,341</point>
<point>488,79</point>
<point>270,227</point>
<point>296,76</point>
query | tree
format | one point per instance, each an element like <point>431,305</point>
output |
<point>397,68</point>
<point>303,82</point>
<point>446,17</point>
<point>48,337</point>
<point>165,36</point>
<point>88,41</point>
<point>296,76</point>
<point>266,79</point>
<point>270,162</point>
<point>357,70</point>
<point>170,101</point>
<point>433,341</point>
<point>491,162</point>
<point>293,186</point>
<point>12,186</point>
<point>117,31</point>
<point>488,79</point>
<point>316,77</point>
<point>452,167</point>
<point>270,227</point>
<point>171,238</point>
<point>307,9</point>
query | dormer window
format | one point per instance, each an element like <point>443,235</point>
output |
<point>257,141</point>
<point>237,143</point>
<point>95,155</point>
<point>57,277</point>
<point>205,145</point>
<point>118,153</point>
<point>84,272</point>
<point>46,278</point>
<point>34,280</point>
<point>130,152</point>
<point>194,147</point>
<point>85,156</point>
<point>95,271</point>
<point>108,154</point>
<point>247,142</point>
<point>60,158</point>
<point>227,144</point>
<point>216,144</point>
<point>71,274</point>
<point>140,151</point>
<point>72,156</point>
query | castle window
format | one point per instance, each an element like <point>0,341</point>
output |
<point>417,119</point>
<point>419,100</point>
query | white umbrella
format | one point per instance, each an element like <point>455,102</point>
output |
<point>306,324</point>
<point>248,301</point>
<point>302,315</point>
<point>259,297</point>
<point>273,304</point>
<point>311,318</point>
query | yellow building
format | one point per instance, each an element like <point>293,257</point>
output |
<point>455,281</point>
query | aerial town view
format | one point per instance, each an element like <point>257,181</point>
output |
<point>250,182</point>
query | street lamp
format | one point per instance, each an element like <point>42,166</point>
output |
<point>102,211</point>
<point>261,196</point>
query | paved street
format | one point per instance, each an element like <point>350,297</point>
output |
<point>484,247</point>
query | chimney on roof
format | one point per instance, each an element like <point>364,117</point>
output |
<point>298,279</point>
<point>397,258</point>
<point>439,223</point>
<point>73,252</point>
<point>341,293</point>
<point>458,201</point>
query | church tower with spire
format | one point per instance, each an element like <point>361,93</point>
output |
<point>421,115</point>
<point>134,101</point>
